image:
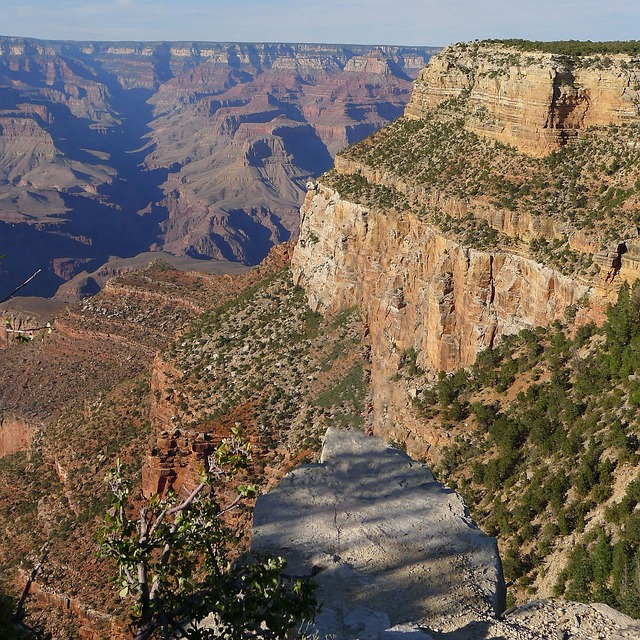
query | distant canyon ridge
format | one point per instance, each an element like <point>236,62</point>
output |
<point>197,149</point>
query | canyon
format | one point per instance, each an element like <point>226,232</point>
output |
<point>479,217</point>
<point>201,149</point>
<point>501,209</point>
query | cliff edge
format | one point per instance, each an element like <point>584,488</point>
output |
<point>451,229</point>
<point>534,100</point>
<point>395,554</point>
<point>388,544</point>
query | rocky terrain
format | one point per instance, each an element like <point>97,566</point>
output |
<point>395,554</point>
<point>482,270</point>
<point>452,290</point>
<point>203,149</point>
<point>449,240</point>
<point>388,544</point>
<point>158,379</point>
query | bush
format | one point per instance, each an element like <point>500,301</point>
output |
<point>174,563</point>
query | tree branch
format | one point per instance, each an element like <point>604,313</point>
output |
<point>230,506</point>
<point>143,586</point>
<point>180,507</point>
<point>24,284</point>
<point>166,552</point>
<point>19,614</point>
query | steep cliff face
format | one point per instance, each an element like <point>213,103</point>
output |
<point>418,290</point>
<point>535,101</point>
<point>449,240</point>
<point>15,435</point>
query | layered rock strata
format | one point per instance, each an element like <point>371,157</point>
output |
<point>445,296</point>
<point>387,543</point>
<point>535,101</point>
<point>418,290</point>
<point>114,149</point>
<point>15,435</point>
<point>619,258</point>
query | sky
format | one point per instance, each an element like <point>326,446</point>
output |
<point>403,22</point>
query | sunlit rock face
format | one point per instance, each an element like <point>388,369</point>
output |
<point>535,101</point>
<point>418,289</point>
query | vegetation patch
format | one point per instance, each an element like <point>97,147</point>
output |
<point>573,48</point>
<point>545,447</point>
<point>298,371</point>
<point>589,185</point>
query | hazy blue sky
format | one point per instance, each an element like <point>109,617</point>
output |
<point>415,22</point>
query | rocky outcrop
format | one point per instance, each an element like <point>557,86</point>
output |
<point>387,544</point>
<point>178,455</point>
<point>175,461</point>
<point>395,555</point>
<point>533,100</point>
<point>373,63</point>
<point>15,435</point>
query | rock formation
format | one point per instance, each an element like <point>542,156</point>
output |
<point>395,554</point>
<point>15,435</point>
<point>535,101</point>
<point>387,543</point>
<point>376,234</point>
<point>418,289</point>
<point>203,149</point>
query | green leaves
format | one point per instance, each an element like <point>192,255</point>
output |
<point>248,491</point>
<point>174,561</point>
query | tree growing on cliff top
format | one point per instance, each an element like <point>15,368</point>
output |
<point>174,561</point>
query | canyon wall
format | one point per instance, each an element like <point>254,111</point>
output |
<point>440,295</point>
<point>15,435</point>
<point>535,101</point>
<point>203,149</point>
<point>418,290</point>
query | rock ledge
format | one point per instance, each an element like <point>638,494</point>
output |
<point>387,543</point>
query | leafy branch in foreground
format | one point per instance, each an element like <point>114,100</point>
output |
<point>174,561</point>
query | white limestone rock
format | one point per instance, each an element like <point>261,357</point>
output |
<point>388,544</point>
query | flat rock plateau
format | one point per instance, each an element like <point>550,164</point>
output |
<point>388,544</point>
